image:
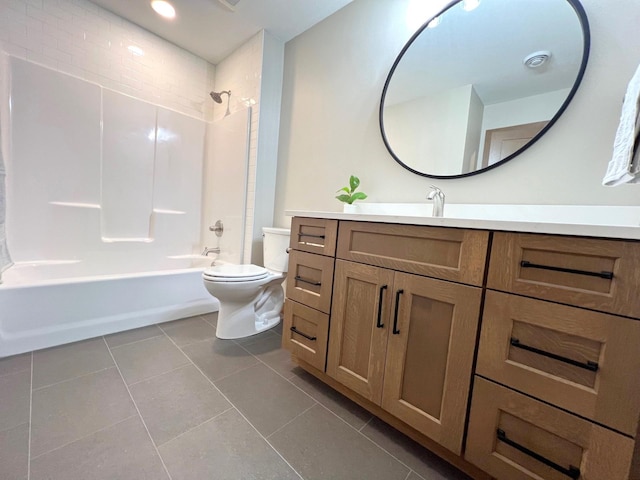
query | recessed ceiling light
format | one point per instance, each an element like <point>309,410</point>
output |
<point>434,23</point>
<point>135,50</point>
<point>163,8</point>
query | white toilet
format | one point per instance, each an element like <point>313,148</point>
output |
<point>251,297</point>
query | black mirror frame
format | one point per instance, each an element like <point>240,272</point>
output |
<point>584,23</point>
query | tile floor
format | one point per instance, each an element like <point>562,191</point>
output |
<point>171,401</point>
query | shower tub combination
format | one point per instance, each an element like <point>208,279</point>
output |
<point>41,308</point>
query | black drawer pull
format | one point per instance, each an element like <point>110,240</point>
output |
<point>571,472</point>
<point>300,279</point>
<point>592,366</point>
<point>379,323</point>
<point>300,234</point>
<point>395,315</point>
<point>526,264</point>
<point>308,337</point>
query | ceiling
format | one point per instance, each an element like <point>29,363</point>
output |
<point>209,30</point>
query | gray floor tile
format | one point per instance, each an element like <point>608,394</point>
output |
<point>270,351</point>
<point>321,446</point>
<point>141,360</point>
<point>177,401</point>
<point>67,411</point>
<point>418,458</point>
<point>350,412</point>
<point>255,338</point>
<point>415,476</point>
<point>14,453</point>
<point>15,392</point>
<point>57,364</point>
<point>219,358</point>
<point>226,448</point>
<point>15,364</point>
<point>135,335</point>
<point>264,397</point>
<point>211,318</point>
<point>188,331</point>
<point>120,452</point>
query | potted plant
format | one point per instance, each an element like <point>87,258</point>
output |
<point>350,195</point>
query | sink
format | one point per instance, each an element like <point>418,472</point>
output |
<point>597,215</point>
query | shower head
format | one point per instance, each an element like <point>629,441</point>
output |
<point>217,96</point>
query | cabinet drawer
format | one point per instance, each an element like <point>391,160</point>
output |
<point>314,235</point>
<point>310,280</point>
<point>592,273</point>
<point>447,253</point>
<point>514,437</point>
<point>304,333</point>
<point>585,362</point>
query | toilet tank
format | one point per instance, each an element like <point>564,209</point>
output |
<point>276,242</point>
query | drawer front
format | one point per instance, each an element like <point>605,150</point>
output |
<point>314,235</point>
<point>592,273</point>
<point>585,362</point>
<point>447,253</point>
<point>310,280</point>
<point>514,437</point>
<point>304,333</point>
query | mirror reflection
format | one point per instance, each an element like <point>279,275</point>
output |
<point>481,82</point>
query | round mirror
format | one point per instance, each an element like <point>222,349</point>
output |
<point>481,82</point>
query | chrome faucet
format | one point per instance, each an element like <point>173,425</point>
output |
<point>437,196</point>
<point>208,250</point>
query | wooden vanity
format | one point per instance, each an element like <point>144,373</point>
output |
<point>511,355</point>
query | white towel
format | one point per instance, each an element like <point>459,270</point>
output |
<point>624,167</point>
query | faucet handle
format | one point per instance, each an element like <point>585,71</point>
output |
<point>435,191</point>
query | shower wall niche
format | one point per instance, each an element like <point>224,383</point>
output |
<point>97,176</point>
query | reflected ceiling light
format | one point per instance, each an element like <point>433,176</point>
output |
<point>434,23</point>
<point>469,5</point>
<point>419,11</point>
<point>537,59</point>
<point>137,51</point>
<point>163,8</point>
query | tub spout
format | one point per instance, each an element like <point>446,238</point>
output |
<point>208,250</point>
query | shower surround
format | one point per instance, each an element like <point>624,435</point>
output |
<point>104,198</point>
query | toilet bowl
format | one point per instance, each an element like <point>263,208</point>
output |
<point>251,297</point>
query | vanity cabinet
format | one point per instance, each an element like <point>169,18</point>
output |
<point>512,355</point>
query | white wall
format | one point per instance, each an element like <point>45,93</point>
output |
<point>334,74</point>
<point>79,38</point>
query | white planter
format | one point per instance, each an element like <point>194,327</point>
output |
<point>353,208</point>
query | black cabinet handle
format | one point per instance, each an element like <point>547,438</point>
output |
<point>310,282</point>
<point>571,472</point>
<point>526,264</point>
<point>592,366</point>
<point>295,330</point>
<point>309,235</point>
<point>395,315</point>
<point>379,323</point>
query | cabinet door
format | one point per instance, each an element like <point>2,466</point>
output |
<point>359,327</point>
<point>430,356</point>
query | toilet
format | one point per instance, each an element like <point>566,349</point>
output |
<point>251,297</point>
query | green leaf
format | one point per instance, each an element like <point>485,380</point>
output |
<point>354,182</point>
<point>344,198</point>
<point>345,189</point>
<point>358,196</point>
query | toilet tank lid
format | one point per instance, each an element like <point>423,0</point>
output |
<point>277,231</point>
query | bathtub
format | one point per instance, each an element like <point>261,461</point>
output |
<point>44,304</point>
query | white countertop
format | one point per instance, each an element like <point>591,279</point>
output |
<point>588,221</point>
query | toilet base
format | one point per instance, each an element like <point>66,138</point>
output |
<point>240,320</point>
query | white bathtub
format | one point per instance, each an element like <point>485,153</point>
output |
<point>47,304</point>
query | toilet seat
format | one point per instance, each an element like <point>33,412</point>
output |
<point>235,273</point>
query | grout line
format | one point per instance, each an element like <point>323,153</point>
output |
<point>292,420</point>
<point>408,474</point>
<point>138,410</point>
<point>242,415</point>
<point>73,378</point>
<point>158,375</point>
<point>14,373</point>
<point>161,333</point>
<point>83,437</point>
<point>367,423</point>
<point>30,421</point>
<point>199,425</point>
<point>234,372</point>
